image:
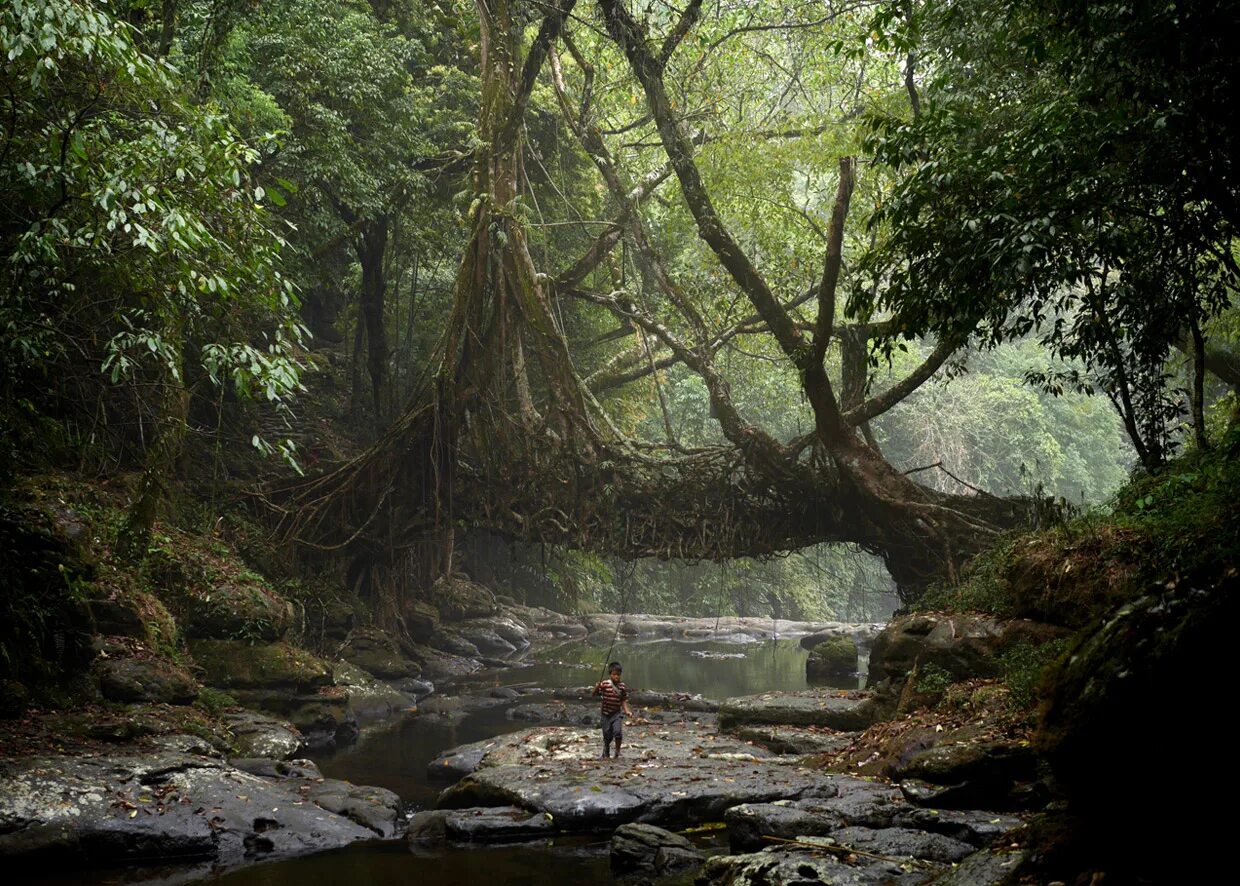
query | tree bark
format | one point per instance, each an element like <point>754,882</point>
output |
<point>371,249</point>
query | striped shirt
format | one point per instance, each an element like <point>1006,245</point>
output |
<point>613,695</point>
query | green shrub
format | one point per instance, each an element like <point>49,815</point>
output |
<point>215,701</point>
<point>1023,666</point>
<point>932,679</point>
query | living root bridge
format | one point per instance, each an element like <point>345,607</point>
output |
<point>616,498</point>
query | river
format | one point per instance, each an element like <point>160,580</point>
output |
<point>395,756</point>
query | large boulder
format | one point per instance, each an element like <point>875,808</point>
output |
<point>145,680</point>
<point>158,807</point>
<point>495,824</point>
<point>421,620</point>
<point>835,658</point>
<point>458,598</point>
<point>212,598</point>
<point>234,664</point>
<point>283,680</point>
<point>651,850</point>
<point>376,652</point>
<point>131,614</point>
<point>835,709</point>
<point>964,645</point>
<point>687,775</point>
<point>257,735</point>
<point>368,698</point>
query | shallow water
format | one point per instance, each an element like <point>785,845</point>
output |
<point>395,756</point>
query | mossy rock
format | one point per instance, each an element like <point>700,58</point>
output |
<point>132,613</point>
<point>836,657</point>
<point>458,598</point>
<point>236,665</point>
<point>213,595</point>
<point>964,645</point>
<point>372,650</point>
<point>421,620</point>
<point>145,680</point>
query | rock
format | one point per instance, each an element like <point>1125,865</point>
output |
<point>418,689</point>
<point>132,614</point>
<point>965,645</point>
<point>374,651</point>
<point>650,849</point>
<point>800,866</point>
<point>904,843</point>
<point>970,776</point>
<point>377,809</point>
<point>843,801</point>
<point>439,665</point>
<point>145,680</point>
<point>670,777</point>
<point>421,620</point>
<point>485,640</point>
<point>454,643</point>
<point>859,810</point>
<point>455,763</point>
<point>509,628</point>
<point>230,605</point>
<point>182,743</point>
<point>156,806</point>
<point>556,712</point>
<point>268,768</point>
<point>232,664</point>
<point>427,829</point>
<point>833,658</point>
<point>255,735</point>
<point>989,867</point>
<point>458,598</point>
<point>796,739</point>
<point>368,698</point>
<point>494,824</point>
<point>834,709</point>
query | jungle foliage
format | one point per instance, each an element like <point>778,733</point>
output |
<point>208,204</point>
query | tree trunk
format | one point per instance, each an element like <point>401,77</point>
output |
<point>161,457</point>
<point>371,248</point>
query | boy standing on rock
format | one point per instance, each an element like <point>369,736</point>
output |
<point>615,696</point>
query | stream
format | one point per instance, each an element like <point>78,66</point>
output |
<point>395,755</point>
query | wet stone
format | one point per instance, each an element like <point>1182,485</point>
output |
<point>835,709</point>
<point>644,847</point>
<point>669,776</point>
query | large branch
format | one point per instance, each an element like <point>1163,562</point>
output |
<point>817,385</point>
<point>551,27</point>
<point>631,39</point>
<point>880,403</point>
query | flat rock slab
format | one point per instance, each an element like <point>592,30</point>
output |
<point>670,777</point>
<point>495,824</point>
<point>801,866</point>
<point>835,709</point>
<point>871,816</point>
<point>164,805</point>
<point>801,740</point>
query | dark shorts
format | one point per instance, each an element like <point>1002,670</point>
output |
<point>613,726</point>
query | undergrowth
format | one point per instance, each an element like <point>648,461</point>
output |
<point>1179,523</point>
